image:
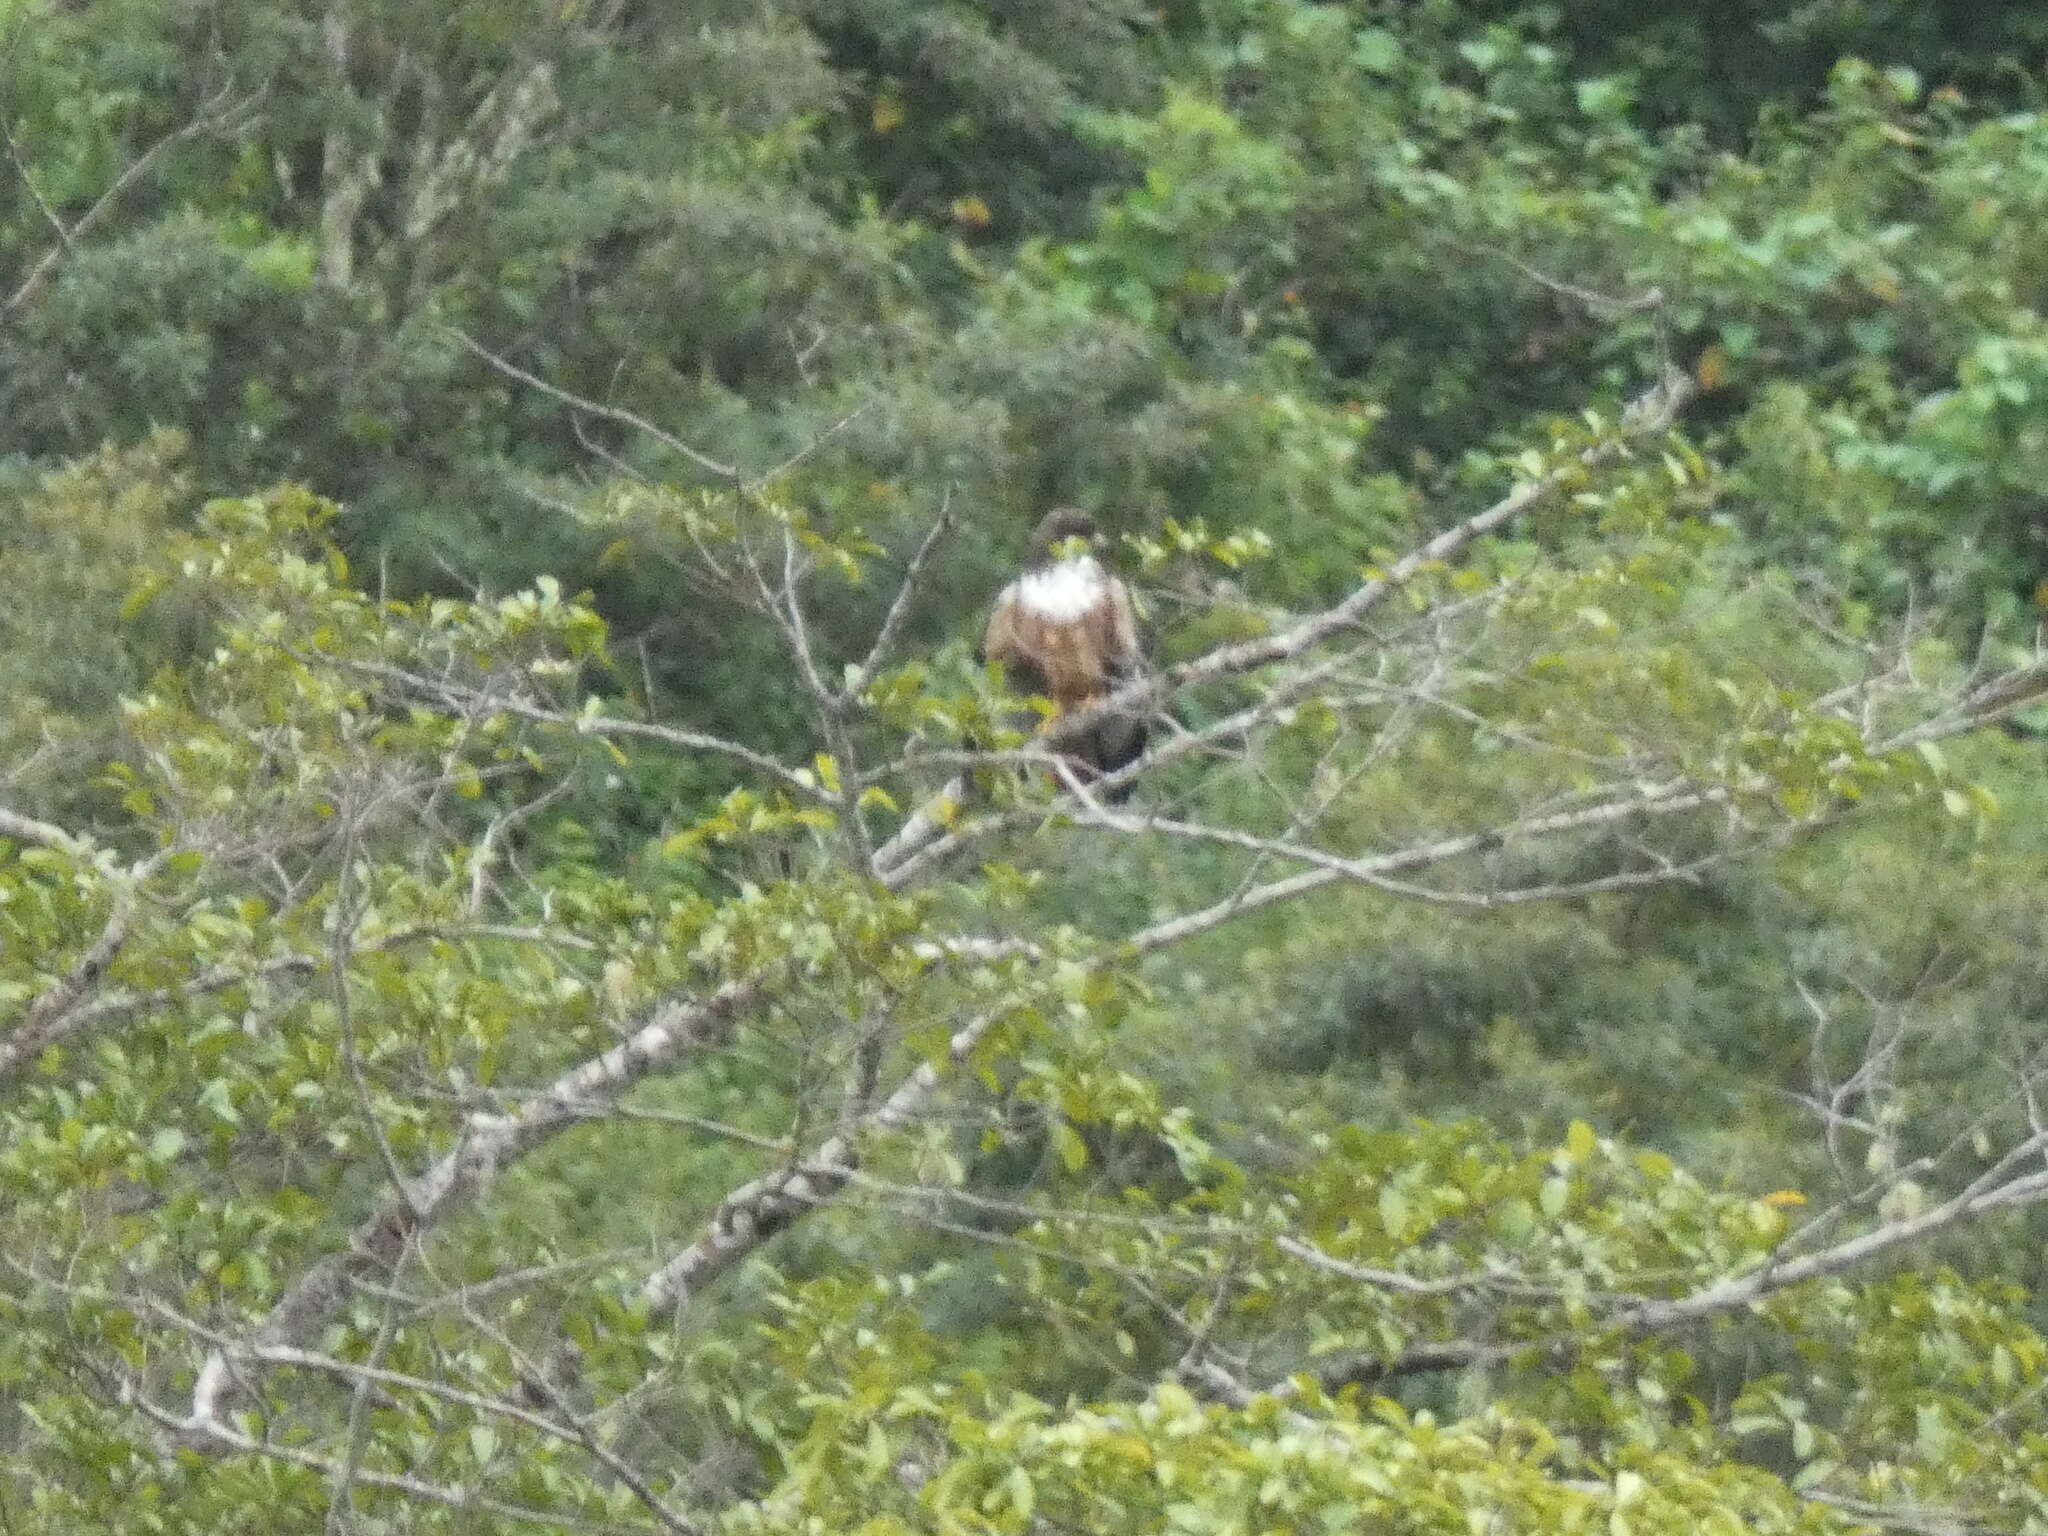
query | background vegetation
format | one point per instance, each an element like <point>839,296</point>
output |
<point>539,990</point>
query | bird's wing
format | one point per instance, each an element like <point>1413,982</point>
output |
<point>1017,639</point>
<point>999,640</point>
<point>1126,653</point>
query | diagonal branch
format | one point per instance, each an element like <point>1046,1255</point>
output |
<point>1996,1189</point>
<point>761,1209</point>
<point>1651,413</point>
<point>218,1438</point>
<point>439,691</point>
<point>65,1008</point>
<point>624,418</point>
<point>489,1145</point>
<point>56,1013</point>
<point>892,624</point>
<point>1666,800</point>
<point>1647,416</point>
<point>219,114</point>
<point>749,1216</point>
<point>755,1212</point>
<point>1375,871</point>
<point>44,834</point>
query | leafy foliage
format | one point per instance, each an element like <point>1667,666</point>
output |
<point>541,985</point>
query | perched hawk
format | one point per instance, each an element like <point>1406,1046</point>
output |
<point>1066,629</point>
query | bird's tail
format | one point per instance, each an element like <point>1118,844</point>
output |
<point>1110,744</point>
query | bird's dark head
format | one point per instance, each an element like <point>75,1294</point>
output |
<point>1057,529</point>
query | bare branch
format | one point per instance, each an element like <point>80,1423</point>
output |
<point>1605,305</point>
<point>1658,801</point>
<point>638,423</point>
<point>761,1209</point>
<point>899,609</point>
<point>1379,1279</point>
<point>752,1214</point>
<point>44,834</point>
<point>53,1015</point>
<point>490,1144</point>
<point>439,690</point>
<point>573,1427</point>
<point>1651,413</point>
<point>1995,1189</point>
<point>1375,871</point>
<point>757,1211</point>
<point>35,192</point>
<point>1915,1520</point>
<point>62,1010</point>
<point>219,114</point>
<point>218,1438</point>
<point>785,605</point>
<point>812,445</point>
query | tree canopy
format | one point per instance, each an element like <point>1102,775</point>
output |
<point>543,986</point>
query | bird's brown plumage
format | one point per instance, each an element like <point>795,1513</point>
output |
<point>1067,629</point>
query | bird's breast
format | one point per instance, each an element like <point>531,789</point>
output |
<point>1064,592</point>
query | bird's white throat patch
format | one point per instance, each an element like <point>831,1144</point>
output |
<point>1063,591</point>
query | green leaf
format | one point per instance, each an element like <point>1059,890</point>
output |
<point>1023,1496</point>
<point>1376,51</point>
<point>1073,1151</point>
<point>1514,1221</point>
<point>1394,1210</point>
<point>218,1097</point>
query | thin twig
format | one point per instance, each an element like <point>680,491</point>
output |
<point>217,114</point>
<point>899,609</point>
<point>624,417</point>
